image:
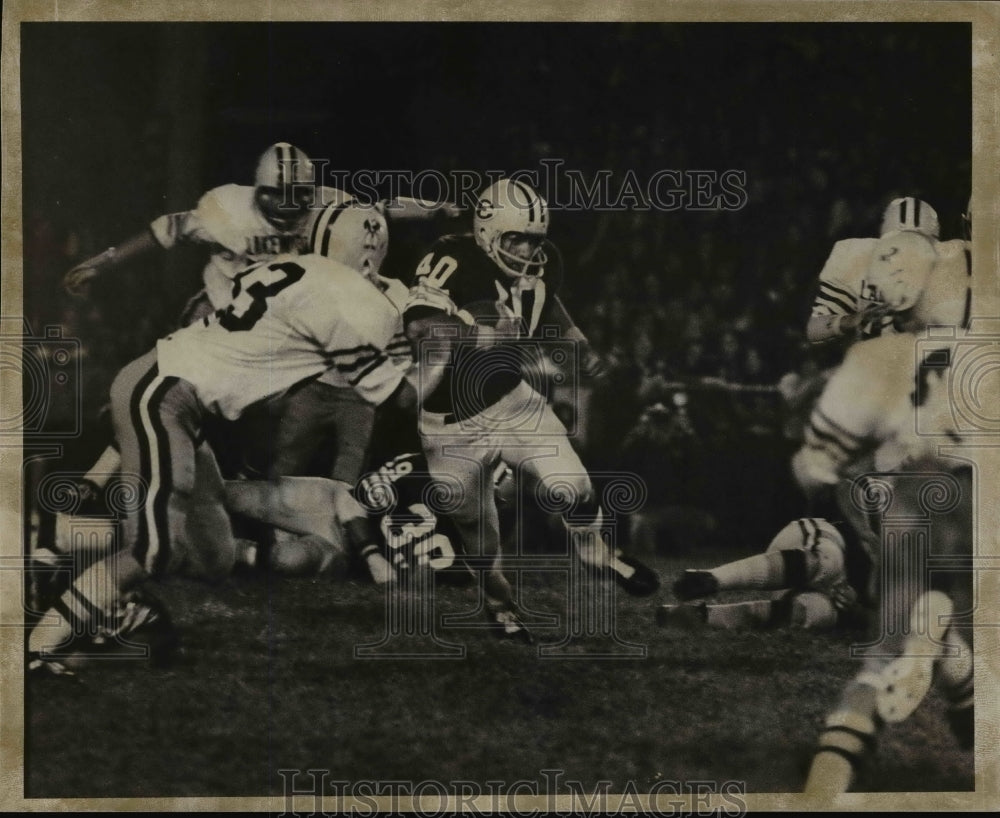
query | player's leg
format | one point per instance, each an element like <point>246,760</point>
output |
<point>954,673</point>
<point>802,554</point>
<point>211,546</point>
<point>810,610</point>
<point>317,416</point>
<point>541,453</point>
<point>462,464</point>
<point>87,606</point>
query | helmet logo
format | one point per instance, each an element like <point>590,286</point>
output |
<point>484,210</point>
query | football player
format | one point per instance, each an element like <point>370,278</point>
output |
<point>474,297</point>
<point>337,409</point>
<point>888,409</point>
<point>397,497</point>
<point>290,319</point>
<point>850,305</point>
<point>241,225</point>
<point>819,580</point>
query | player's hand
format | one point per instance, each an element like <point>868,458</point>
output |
<point>874,311</point>
<point>77,281</point>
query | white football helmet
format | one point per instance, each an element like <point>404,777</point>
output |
<point>284,185</point>
<point>353,233</point>
<point>908,213</point>
<point>900,266</point>
<point>510,225</point>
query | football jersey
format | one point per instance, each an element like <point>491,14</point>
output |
<point>842,282</point>
<point>947,296</point>
<point>228,222</point>
<point>887,407</point>
<point>457,278</point>
<point>398,351</point>
<point>397,494</point>
<point>291,319</point>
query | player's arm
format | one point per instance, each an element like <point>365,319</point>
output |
<point>77,281</point>
<point>590,362</point>
<point>443,330</point>
<point>837,312</point>
<point>436,320</point>
<point>163,233</point>
<point>830,326</point>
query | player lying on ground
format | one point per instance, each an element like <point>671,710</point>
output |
<point>475,297</point>
<point>290,320</point>
<point>817,578</point>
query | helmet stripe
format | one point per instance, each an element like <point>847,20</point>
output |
<point>323,227</point>
<point>916,212</point>
<point>902,212</point>
<point>531,199</point>
<point>282,159</point>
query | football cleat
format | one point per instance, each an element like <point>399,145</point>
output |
<point>682,617</point>
<point>141,618</point>
<point>508,625</point>
<point>694,583</point>
<point>633,576</point>
<point>906,680</point>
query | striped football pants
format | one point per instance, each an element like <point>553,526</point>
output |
<point>177,522</point>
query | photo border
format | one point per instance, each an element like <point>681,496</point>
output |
<point>985,20</point>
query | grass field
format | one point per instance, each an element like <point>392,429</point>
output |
<point>267,680</point>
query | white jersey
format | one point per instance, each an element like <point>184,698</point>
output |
<point>842,282</point>
<point>398,351</point>
<point>292,319</point>
<point>229,223</point>
<point>888,407</point>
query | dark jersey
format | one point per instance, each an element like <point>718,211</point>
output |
<point>401,497</point>
<point>457,278</point>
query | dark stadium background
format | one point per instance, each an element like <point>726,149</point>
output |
<point>123,122</point>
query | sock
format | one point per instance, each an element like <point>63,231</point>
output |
<point>849,734</point>
<point>593,550</point>
<point>760,572</point>
<point>81,611</point>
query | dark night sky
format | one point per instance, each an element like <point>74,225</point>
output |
<point>417,95</point>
